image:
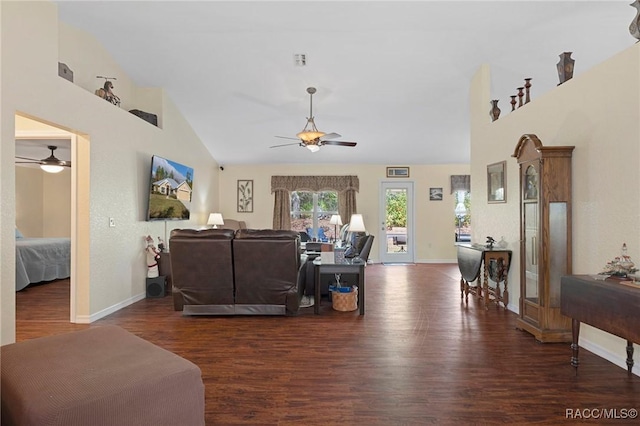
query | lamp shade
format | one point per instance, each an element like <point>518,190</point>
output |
<point>335,219</point>
<point>356,224</point>
<point>215,219</point>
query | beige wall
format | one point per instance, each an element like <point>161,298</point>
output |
<point>29,208</point>
<point>114,156</point>
<point>43,202</point>
<point>597,112</point>
<point>434,220</point>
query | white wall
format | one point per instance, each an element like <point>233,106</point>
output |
<point>597,112</point>
<point>434,220</point>
<point>114,153</point>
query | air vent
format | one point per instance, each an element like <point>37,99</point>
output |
<point>300,59</point>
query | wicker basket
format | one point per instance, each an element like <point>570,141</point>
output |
<point>345,302</point>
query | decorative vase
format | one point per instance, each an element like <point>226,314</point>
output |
<point>495,111</point>
<point>565,67</point>
<point>513,102</point>
<point>634,27</point>
<point>527,86</point>
<point>520,95</point>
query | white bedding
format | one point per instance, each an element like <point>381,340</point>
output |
<point>42,259</point>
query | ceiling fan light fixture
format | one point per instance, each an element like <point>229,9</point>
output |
<point>51,164</point>
<point>313,148</point>
<point>51,168</point>
<point>309,135</point>
<point>310,131</point>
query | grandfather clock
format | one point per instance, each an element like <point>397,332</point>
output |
<point>545,237</point>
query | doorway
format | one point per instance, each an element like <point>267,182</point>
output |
<point>32,129</point>
<point>396,215</point>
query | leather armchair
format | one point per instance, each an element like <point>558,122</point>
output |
<point>202,270</point>
<point>266,264</point>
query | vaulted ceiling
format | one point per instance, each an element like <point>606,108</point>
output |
<point>393,76</point>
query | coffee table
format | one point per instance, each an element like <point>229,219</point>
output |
<point>347,267</point>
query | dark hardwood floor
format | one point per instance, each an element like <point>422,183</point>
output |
<point>419,356</point>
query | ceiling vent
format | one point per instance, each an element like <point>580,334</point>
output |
<point>300,59</point>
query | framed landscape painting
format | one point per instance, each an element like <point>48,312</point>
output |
<point>435,194</point>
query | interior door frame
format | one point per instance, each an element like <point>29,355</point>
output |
<point>79,233</point>
<point>410,255</point>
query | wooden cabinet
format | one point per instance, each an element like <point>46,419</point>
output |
<point>545,236</point>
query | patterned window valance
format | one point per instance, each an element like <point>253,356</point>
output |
<point>460,183</point>
<point>315,183</point>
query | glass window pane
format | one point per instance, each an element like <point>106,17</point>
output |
<point>462,212</point>
<point>311,212</point>
<point>396,221</point>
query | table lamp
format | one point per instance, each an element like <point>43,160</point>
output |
<point>215,219</point>
<point>335,221</point>
<point>356,224</point>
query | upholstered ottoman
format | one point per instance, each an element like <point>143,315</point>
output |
<point>98,376</point>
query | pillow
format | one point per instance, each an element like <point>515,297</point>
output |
<point>19,234</point>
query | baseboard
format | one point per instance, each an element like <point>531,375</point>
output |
<point>619,359</point>
<point>84,319</point>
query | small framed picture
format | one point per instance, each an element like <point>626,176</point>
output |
<point>435,194</point>
<point>245,196</point>
<point>497,183</point>
<point>398,172</point>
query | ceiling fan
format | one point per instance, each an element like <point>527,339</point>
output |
<point>50,164</point>
<point>310,137</point>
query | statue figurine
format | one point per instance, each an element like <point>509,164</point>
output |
<point>161,245</point>
<point>106,92</point>
<point>490,243</point>
<point>153,255</point>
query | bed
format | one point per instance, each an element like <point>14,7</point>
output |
<point>41,259</point>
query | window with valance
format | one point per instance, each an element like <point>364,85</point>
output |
<point>282,186</point>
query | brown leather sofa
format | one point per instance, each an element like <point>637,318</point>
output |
<point>202,270</point>
<point>266,264</point>
<point>246,272</point>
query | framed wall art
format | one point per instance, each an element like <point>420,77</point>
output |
<point>497,182</point>
<point>401,172</point>
<point>245,196</point>
<point>435,194</point>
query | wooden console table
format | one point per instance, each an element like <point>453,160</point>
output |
<point>347,267</point>
<point>496,266</point>
<point>608,305</point>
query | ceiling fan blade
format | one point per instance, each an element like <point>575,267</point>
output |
<point>285,144</point>
<point>26,162</point>
<point>339,143</point>
<point>287,137</point>
<point>30,159</point>
<point>330,136</point>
